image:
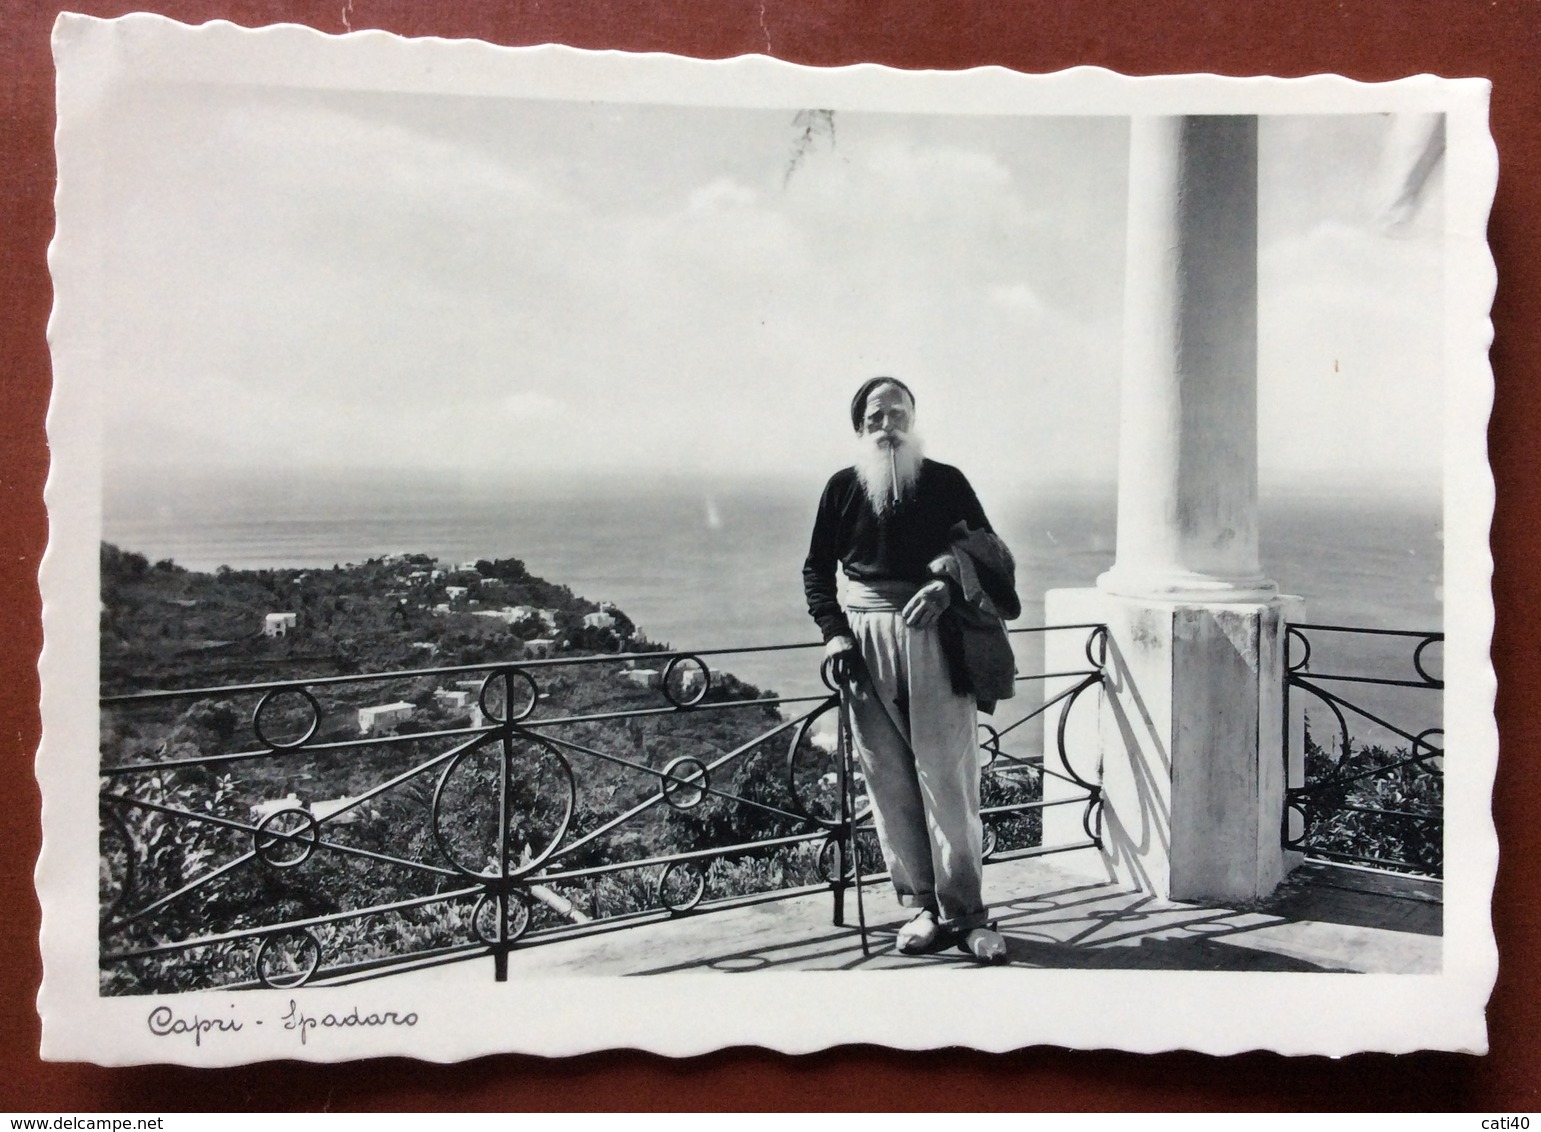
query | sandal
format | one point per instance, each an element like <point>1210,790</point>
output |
<point>920,934</point>
<point>985,944</point>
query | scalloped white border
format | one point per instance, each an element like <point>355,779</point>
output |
<point>993,1010</point>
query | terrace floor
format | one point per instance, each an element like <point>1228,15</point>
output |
<point>1323,918</point>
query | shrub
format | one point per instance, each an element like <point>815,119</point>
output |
<point>1407,834</point>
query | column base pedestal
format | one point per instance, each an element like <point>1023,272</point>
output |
<point>1189,731</point>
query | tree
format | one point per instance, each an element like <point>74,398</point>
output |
<point>120,565</point>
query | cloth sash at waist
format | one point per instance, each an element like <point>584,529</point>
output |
<point>877,597</point>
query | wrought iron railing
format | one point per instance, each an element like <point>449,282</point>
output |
<point>252,835</point>
<point>1364,789</point>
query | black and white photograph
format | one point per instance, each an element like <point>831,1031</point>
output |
<point>573,551</point>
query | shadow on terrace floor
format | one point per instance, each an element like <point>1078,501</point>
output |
<point>1324,918</point>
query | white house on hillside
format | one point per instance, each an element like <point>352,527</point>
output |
<point>266,808</point>
<point>279,624</point>
<point>382,715</point>
<point>507,614</point>
<point>341,811</point>
<point>641,677</point>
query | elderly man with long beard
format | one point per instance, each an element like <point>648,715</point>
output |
<point>890,522</point>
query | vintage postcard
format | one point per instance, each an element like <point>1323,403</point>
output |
<point>554,551</point>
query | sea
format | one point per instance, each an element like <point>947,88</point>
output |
<point>716,563</point>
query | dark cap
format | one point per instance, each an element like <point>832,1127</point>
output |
<point>859,402</point>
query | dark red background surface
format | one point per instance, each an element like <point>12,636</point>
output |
<point>1364,39</point>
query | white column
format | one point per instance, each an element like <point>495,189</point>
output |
<point>1190,721</point>
<point>1187,485</point>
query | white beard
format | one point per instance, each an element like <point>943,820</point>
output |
<point>877,472</point>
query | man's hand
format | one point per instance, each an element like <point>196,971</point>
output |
<point>927,605</point>
<point>842,658</point>
<point>837,645</point>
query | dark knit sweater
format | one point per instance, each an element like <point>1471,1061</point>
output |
<point>849,532</point>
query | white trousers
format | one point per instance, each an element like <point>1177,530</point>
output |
<point>918,746</point>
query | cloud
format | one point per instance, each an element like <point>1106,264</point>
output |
<point>948,170</point>
<point>1351,358</point>
<point>722,193</point>
<point>461,327</point>
<point>582,287</point>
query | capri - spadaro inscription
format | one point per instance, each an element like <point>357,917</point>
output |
<point>199,1026</point>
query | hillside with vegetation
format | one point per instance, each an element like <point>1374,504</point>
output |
<point>166,627</point>
<point>187,780</point>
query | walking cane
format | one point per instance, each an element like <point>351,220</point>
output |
<point>848,800</point>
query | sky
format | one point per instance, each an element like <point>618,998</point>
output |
<point>333,280</point>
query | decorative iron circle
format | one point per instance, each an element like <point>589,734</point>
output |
<point>1343,732</point>
<point>516,917</point>
<point>505,676</point>
<point>1064,719</point>
<point>681,886</point>
<point>1297,806</point>
<point>1099,638</point>
<point>1291,635</point>
<point>799,738</point>
<point>303,961</point>
<point>262,706</point>
<point>833,853</point>
<point>1421,741</point>
<point>286,837</point>
<point>1432,639</point>
<point>535,782</point>
<point>990,745</point>
<point>697,680</point>
<point>833,864</point>
<point>684,782</point>
<point>112,893</point>
<point>989,844</point>
<point>1091,819</point>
